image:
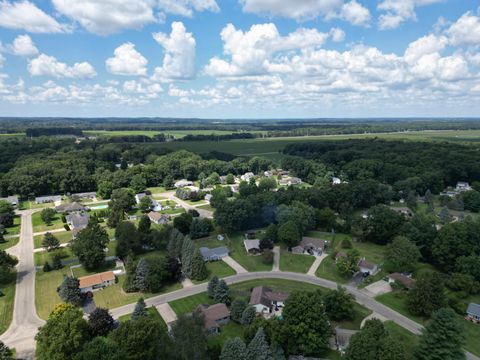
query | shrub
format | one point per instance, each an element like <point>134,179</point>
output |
<point>267,257</point>
<point>346,244</point>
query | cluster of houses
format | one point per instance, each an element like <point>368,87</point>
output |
<point>461,187</point>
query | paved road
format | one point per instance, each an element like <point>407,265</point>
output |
<point>21,333</point>
<point>361,298</point>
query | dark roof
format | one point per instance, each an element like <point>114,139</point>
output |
<point>402,279</point>
<point>218,251</point>
<point>213,313</point>
<point>473,309</point>
<point>340,254</point>
<point>264,295</point>
<point>75,206</point>
<point>78,220</point>
<point>315,242</point>
<point>365,264</point>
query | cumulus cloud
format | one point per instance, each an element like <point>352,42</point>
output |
<point>187,7</point>
<point>337,34</point>
<point>45,65</point>
<point>179,59</point>
<point>399,11</point>
<point>127,61</point>
<point>108,16</point>
<point>355,13</point>
<point>23,46</point>
<point>252,52</point>
<point>466,30</point>
<point>24,15</point>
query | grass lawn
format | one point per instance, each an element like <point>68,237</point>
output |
<point>188,304</point>
<point>238,253</point>
<point>194,203</point>
<point>328,270</point>
<point>26,205</point>
<point>209,242</point>
<point>206,207</point>
<point>227,331</point>
<point>152,312</point>
<point>81,271</point>
<point>473,335</point>
<point>42,256</point>
<point>295,262</point>
<point>63,236</point>
<point>39,225</point>
<point>405,337</point>
<point>15,229</point>
<point>396,300</point>
<point>6,306</point>
<point>218,268</point>
<point>9,243</point>
<point>46,296</point>
<point>157,190</point>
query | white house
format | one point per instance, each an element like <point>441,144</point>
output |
<point>157,218</point>
<point>139,197</point>
<point>96,281</point>
<point>247,176</point>
<point>183,183</point>
<point>463,186</point>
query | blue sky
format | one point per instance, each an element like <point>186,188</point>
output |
<point>240,58</point>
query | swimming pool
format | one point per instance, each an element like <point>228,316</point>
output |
<point>99,207</point>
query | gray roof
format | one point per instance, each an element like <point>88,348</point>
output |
<point>78,220</point>
<point>264,295</point>
<point>85,194</point>
<point>75,206</point>
<point>217,252</point>
<point>312,242</point>
<point>11,199</point>
<point>251,244</point>
<point>51,198</point>
<point>473,309</point>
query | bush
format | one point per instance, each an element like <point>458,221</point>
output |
<point>66,227</point>
<point>64,219</point>
<point>267,257</point>
<point>346,244</point>
<point>47,267</point>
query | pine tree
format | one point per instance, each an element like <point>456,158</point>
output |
<point>212,285</point>
<point>57,262</point>
<point>188,249</point>
<point>248,315</point>
<point>50,242</point>
<point>199,270</point>
<point>236,310</point>
<point>47,267</point>
<point>234,349</point>
<point>258,348</point>
<point>442,338</point>
<point>222,293</point>
<point>278,353</point>
<point>140,310</point>
<point>69,291</point>
<point>141,276</point>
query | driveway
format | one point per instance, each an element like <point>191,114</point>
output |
<point>25,323</point>
<point>276,258</point>
<point>234,265</point>
<point>378,288</point>
<point>316,264</point>
<point>167,313</point>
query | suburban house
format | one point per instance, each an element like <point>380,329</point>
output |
<point>78,221</point>
<point>157,218</point>
<point>268,174</point>
<point>85,196</point>
<point>96,281</point>
<point>404,280</point>
<point>214,254</point>
<point>266,301</point>
<point>405,211</point>
<point>208,197</point>
<point>69,208</point>
<point>252,246</point>
<point>336,181</point>
<point>339,255</point>
<point>311,246</point>
<point>367,268</point>
<point>473,312</point>
<point>214,316</point>
<point>183,183</point>
<point>13,200</point>
<point>139,197</point>
<point>342,338</point>
<point>247,176</point>
<point>290,181</point>
<point>48,199</point>
<point>463,186</point>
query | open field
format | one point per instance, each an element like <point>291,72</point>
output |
<point>6,306</point>
<point>63,237</point>
<point>178,134</point>
<point>39,225</point>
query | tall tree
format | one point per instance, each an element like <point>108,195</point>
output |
<point>289,234</point>
<point>69,291</point>
<point>140,310</point>
<point>100,348</point>
<point>89,246</point>
<point>222,293</point>
<point>47,215</point>
<point>190,339</point>
<point>5,352</point>
<point>382,224</point>
<point>234,349</point>
<point>141,275</point>
<point>188,250</point>
<point>212,285</point>
<point>339,304</point>
<point>258,348</point>
<point>237,309</point>
<point>199,270</point>
<point>427,296</point>
<point>248,315</point>
<point>50,242</point>
<point>127,239</point>
<point>63,335</point>
<point>100,321</point>
<point>442,338</point>
<point>401,255</point>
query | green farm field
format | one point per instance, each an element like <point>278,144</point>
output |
<point>178,134</point>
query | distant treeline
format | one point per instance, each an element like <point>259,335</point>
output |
<point>213,137</point>
<point>53,131</point>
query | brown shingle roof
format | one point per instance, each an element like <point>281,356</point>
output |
<point>96,279</point>
<point>264,295</point>
<point>307,241</point>
<point>402,279</point>
<point>213,313</point>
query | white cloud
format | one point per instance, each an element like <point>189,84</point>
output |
<point>252,52</point>
<point>298,9</point>
<point>466,30</point>
<point>187,7</point>
<point>399,11</point>
<point>23,46</point>
<point>355,13</point>
<point>45,65</point>
<point>425,45</point>
<point>24,15</point>
<point>127,61</point>
<point>108,16</point>
<point>177,92</point>
<point>2,60</point>
<point>337,34</point>
<point>179,59</point>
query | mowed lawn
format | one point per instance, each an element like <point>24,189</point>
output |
<point>406,338</point>
<point>295,262</point>
<point>63,236</point>
<point>15,229</point>
<point>9,243</point>
<point>152,312</point>
<point>40,226</point>
<point>238,253</point>
<point>6,306</point>
<point>216,268</point>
